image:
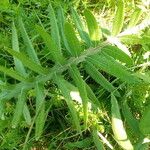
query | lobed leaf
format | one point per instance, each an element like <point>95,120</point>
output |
<point>61,20</point>
<point>40,110</point>
<point>28,62</point>
<point>135,17</point>
<point>118,54</point>
<point>54,28</point>
<point>30,49</point>
<point>65,91</point>
<point>119,18</point>
<point>109,65</point>
<point>117,126</point>
<point>15,46</point>
<point>99,78</point>
<point>19,108</point>
<point>12,73</point>
<point>26,114</point>
<point>51,44</point>
<point>73,42</point>
<point>144,121</point>
<point>77,20</point>
<point>75,74</point>
<point>94,30</point>
<point>96,139</point>
<point>131,121</point>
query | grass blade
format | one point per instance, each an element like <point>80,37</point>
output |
<point>94,30</point>
<point>30,49</point>
<point>119,18</point>
<point>19,108</point>
<point>117,126</point>
<point>73,42</point>
<point>99,78</point>
<point>65,91</point>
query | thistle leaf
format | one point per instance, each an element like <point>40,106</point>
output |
<point>54,28</point>
<point>110,65</point>
<point>117,126</point>
<point>40,110</point>
<point>30,49</point>
<point>15,46</point>
<point>51,44</point>
<point>73,42</point>
<point>135,17</point>
<point>99,78</point>
<point>63,87</point>
<point>94,30</point>
<point>119,18</point>
<point>118,54</point>
<point>19,108</point>
<point>12,73</point>
<point>77,20</point>
<point>75,74</point>
<point>28,62</point>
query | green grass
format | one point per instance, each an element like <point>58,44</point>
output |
<point>70,80</point>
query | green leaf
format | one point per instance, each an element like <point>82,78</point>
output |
<point>77,20</point>
<point>111,66</point>
<point>93,27</point>
<point>15,46</point>
<point>119,18</point>
<point>131,39</point>
<point>135,17</point>
<point>28,62</point>
<point>61,20</point>
<point>30,49</point>
<point>2,108</point>
<point>92,97</point>
<point>117,126</point>
<point>73,42</point>
<point>144,121</point>
<point>19,108</point>
<point>131,121</point>
<point>75,74</point>
<point>12,73</point>
<point>65,91</point>
<point>54,28</point>
<point>96,139</point>
<point>26,114</point>
<point>99,78</point>
<point>51,44</point>
<point>82,144</point>
<point>40,110</point>
<point>118,54</point>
